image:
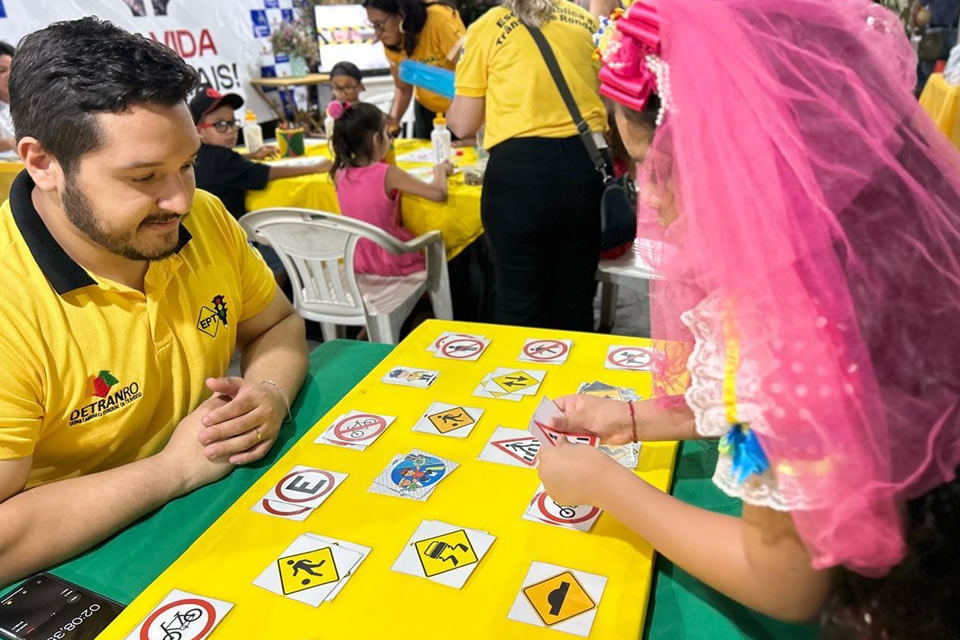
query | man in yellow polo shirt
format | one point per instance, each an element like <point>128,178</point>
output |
<point>125,294</point>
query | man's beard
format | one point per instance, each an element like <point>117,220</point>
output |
<point>78,210</point>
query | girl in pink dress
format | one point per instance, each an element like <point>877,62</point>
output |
<point>806,317</point>
<point>369,189</point>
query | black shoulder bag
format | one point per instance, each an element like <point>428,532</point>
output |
<point>618,206</point>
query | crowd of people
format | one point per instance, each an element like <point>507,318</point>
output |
<point>807,209</point>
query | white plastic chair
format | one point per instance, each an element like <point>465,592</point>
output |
<point>317,250</point>
<point>384,101</point>
<point>632,270</point>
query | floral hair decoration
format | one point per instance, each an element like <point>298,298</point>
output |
<point>336,109</point>
<point>628,45</point>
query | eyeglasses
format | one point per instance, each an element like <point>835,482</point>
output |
<point>379,25</point>
<point>345,88</point>
<point>222,126</point>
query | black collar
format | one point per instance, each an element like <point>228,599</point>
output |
<point>59,268</point>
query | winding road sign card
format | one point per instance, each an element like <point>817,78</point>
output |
<point>515,447</point>
<point>546,351</point>
<point>410,377</point>
<point>414,475</point>
<point>183,616</point>
<point>356,430</point>
<point>443,552</point>
<point>453,420</point>
<point>309,570</point>
<point>630,358</point>
<point>545,509</point>
<point>299,492</point>
<point>559,598</point>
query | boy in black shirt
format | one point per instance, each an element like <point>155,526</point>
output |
<point>224,172</point>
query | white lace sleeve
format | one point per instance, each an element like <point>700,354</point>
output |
<point>705,398</point>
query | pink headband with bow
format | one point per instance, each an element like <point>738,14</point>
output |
<point>623,43</point>
<point>336,109</point>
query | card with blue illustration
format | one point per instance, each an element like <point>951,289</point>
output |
<point>414,475</point>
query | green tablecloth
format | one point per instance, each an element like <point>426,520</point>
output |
<point>682,608</point>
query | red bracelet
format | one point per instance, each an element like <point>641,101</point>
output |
<point>633,419</point>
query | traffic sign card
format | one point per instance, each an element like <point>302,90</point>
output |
<point>356,430</point>
<point>443,552</point>
<point>514,447</point>
<point>545,509</point>
<point>299,492</point>
<point>559,598</point>
<point>545,351</point>
<point>181,615</point>
<point>452,420</point>
<point>310,569</point>
<point>510,384</point>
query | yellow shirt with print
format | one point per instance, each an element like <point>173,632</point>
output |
<point>501,62</point>
<point>439,43</point>
<point>93,374</point>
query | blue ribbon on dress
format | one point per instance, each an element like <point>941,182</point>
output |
<point>745,451</point>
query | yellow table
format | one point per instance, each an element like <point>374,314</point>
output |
<point>8,171</point>
<point>380,603</point>
<point>457,219</point>
<point>942,101</point>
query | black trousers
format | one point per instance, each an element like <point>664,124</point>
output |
<point>541,215</point>
<point>423,122</point>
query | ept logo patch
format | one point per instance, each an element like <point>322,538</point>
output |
<point>210,319</point>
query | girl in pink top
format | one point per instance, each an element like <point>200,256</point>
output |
<point>369,189</point>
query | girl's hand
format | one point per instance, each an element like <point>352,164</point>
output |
<point>574,474</point>
<point>608,419</point>
<point>443,170</point>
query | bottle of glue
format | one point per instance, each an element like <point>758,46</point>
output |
<point>252,133</point>
<point>441,140</point>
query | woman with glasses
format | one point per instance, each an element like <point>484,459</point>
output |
<point>427,32</point>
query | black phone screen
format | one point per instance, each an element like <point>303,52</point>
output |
<point>45,607</point>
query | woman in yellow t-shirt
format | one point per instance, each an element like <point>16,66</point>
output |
<point>541,194</point>
<point>427,32</point>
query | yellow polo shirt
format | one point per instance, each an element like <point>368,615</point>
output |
<point>438,45</point>
<point>501,62</point>
<point>93,374</point>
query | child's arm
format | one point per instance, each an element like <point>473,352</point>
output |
<point>399,180</point>
<point>653,420</point>
<point>758,560</point>
<point>322,166</point>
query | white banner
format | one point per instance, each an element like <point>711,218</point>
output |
<point>226,41</point>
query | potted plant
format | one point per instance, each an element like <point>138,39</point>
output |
<point>297,39</point>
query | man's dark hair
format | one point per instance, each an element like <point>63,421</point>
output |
<point>65,74</point>
<point>6,49</point>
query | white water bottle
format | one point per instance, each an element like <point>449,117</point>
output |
<point>440,137</point>
<point>252,133</point>
<point>328,124</point>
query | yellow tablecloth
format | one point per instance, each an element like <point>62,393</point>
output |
<point>380,603</point>
<point>8,171</point>
<point>458,219</point>
<point>942,101</point>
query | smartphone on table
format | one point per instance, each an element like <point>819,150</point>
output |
<point>46,607</point>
